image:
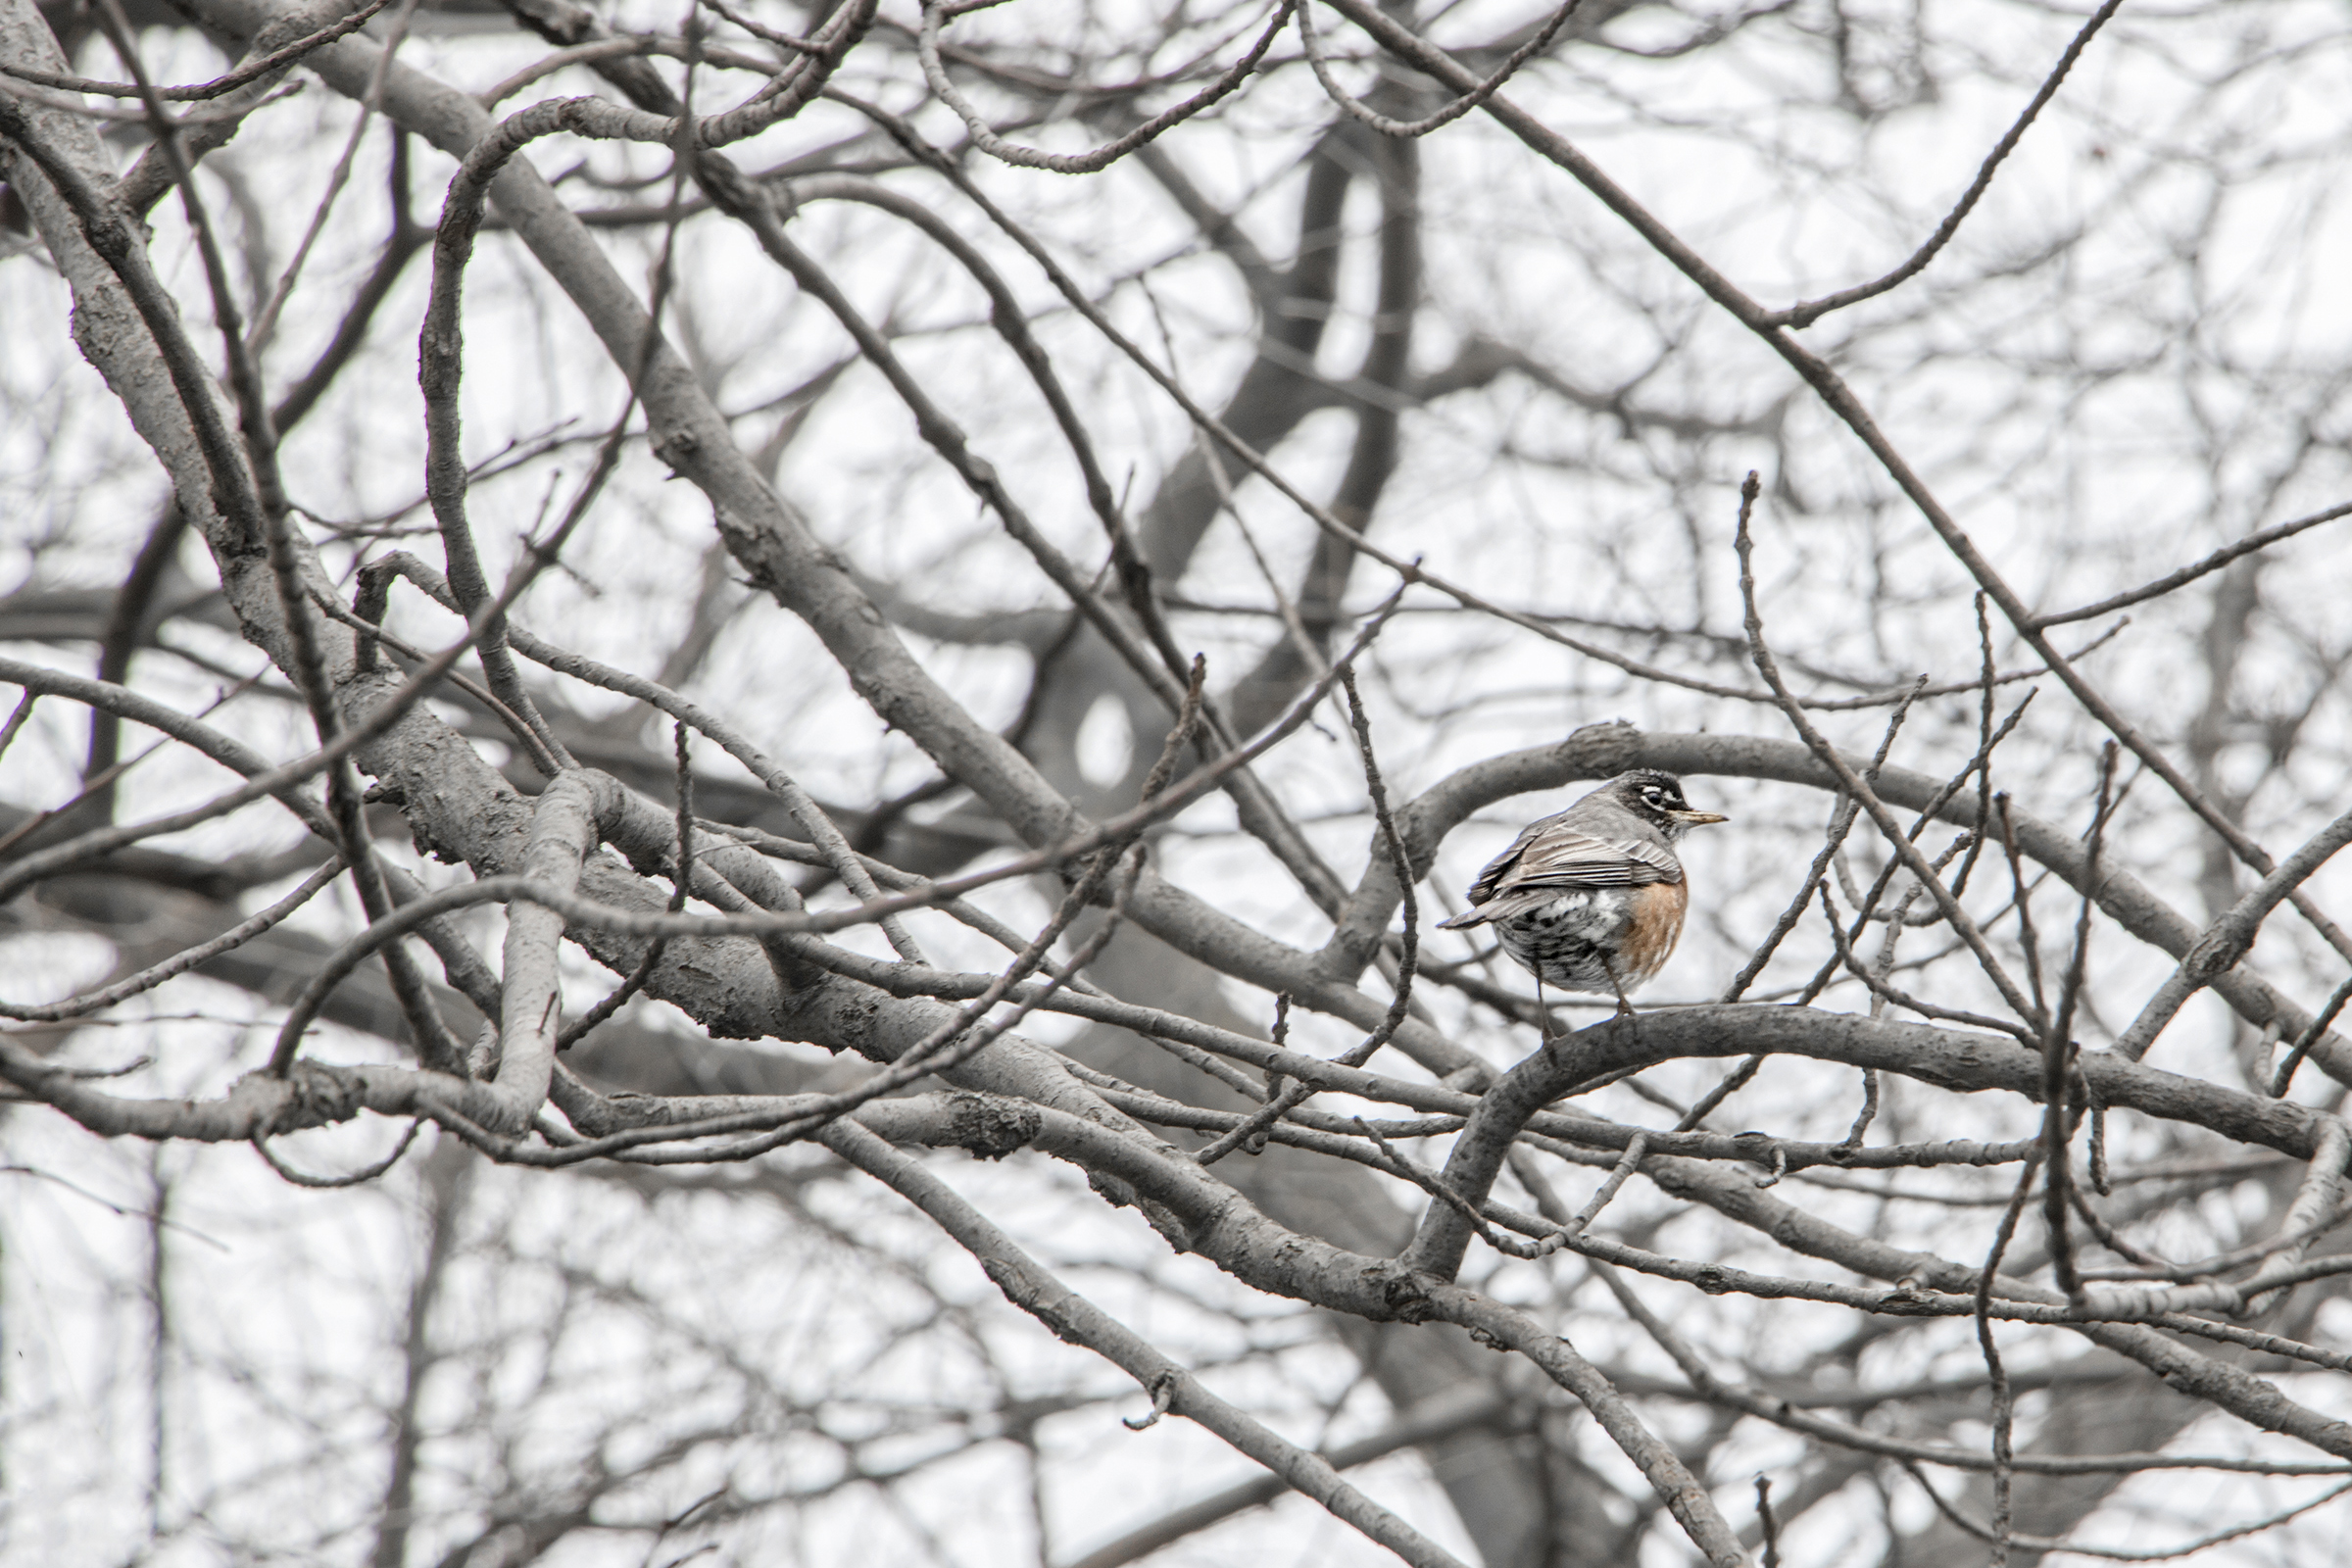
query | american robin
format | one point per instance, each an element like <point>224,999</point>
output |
<point>1592,899</point>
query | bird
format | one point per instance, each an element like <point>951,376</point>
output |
<point>1592,899</point>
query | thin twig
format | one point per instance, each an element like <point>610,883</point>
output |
<point>358,1178</point>
<point>1812,310</point>
<point>2024,903</point>
<point>1454,110</point>
<point>2261,539</point>
<point>251,71</point>
<point>2004,1410</point>
<point>934,71</point>
<point>178,963</point>
<point>2309,1037</point>
<point>2058,1050</point>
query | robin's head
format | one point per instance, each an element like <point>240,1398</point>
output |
<point>1657,799</point>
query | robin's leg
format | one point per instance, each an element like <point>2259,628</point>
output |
<point>1543,1016</point>
<point>1608,966</point>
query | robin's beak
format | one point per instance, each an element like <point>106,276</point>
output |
<point>1691,818</point>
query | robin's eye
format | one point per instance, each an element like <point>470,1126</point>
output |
<point>1653,795</point>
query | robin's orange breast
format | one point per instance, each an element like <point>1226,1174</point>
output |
<point>1655,925</point>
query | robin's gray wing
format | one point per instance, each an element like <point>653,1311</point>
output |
<point>1550,859</point>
